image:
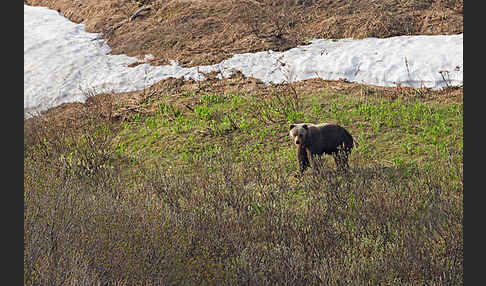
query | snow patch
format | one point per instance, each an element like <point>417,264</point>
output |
<point>62,62</point>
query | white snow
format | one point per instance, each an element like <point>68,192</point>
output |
<point>62,62</point>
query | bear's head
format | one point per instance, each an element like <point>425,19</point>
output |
<point>298,133</point>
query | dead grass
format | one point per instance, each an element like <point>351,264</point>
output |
<point>206,32</point>
<point>145,102</point>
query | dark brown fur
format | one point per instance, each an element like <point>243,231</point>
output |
<point>314,140</point>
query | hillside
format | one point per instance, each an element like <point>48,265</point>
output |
<point>197,183</point>
<point>206,32</point>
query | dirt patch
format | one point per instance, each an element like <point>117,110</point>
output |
<point>207,32</point>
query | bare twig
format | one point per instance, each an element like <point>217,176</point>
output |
<point>442,72</point>
<point>406,64</point>
<point>188,107</point>
<point>138,13</point>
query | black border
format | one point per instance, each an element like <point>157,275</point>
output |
<point>474,147</point>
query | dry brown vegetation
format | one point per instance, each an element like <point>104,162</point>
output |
<point>206,32</point>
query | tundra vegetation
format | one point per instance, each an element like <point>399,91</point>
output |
<point>196,183</point>
<point>202,187</point>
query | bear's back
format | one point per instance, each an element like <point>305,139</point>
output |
<point>327,137</point>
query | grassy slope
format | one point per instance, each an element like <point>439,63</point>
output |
<point>400,130</point>
<point>203,188</point>
<point>196,183</point>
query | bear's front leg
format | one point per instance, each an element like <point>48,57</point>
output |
<point>303,157</point>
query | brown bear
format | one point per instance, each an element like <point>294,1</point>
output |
<point>313,140</point>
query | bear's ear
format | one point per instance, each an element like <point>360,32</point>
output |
<point>305,126</point>
<point>292,126</point>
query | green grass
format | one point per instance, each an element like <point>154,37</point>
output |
<point>393,132</point>
<point>211,195</point>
